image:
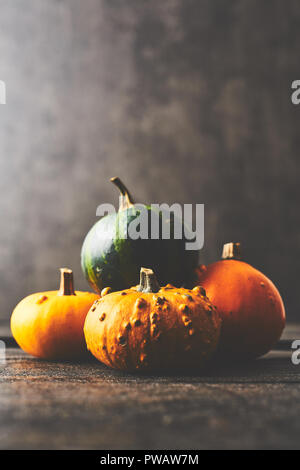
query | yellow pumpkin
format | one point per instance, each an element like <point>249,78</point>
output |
<point>49,325</point>
<point>148,327</point>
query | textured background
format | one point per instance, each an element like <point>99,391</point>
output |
<point>187,100</point>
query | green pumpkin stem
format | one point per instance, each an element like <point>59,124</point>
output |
<point>66,282</point>
<point>148,281</point>
<point>126,200</point>
<point>231,251</point>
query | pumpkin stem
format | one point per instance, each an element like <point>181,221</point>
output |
<point>148,281</point>
<point>66,282</point>
<point>231,251</point>
<point>126,200</point>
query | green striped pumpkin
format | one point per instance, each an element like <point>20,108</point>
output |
<point>110,258</point>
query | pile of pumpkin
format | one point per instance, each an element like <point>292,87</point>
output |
<point>227,307</point>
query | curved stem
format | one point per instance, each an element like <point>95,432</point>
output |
<point>66,282</point>
<point>231,251</point>
<point>148,281</point>
<point>126,200</point>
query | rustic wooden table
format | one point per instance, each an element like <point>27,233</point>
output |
<point>87,406</point>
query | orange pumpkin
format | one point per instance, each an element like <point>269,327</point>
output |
<point>250,305</point>
<point>49,325</point>
<point>148,327</point>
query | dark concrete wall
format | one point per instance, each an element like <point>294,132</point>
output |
<point>187,100</point>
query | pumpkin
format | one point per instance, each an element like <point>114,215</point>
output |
<point>111,258</point>
<point>250,305</point>
<point>49,325</point>
<point>148,327</point>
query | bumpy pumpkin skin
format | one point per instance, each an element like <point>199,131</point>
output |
<point>250,306</point>
<point>50,326</point>
<point>170,329</point>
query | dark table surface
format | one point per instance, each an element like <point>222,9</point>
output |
<point>47,405</point>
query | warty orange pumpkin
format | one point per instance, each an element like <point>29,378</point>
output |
<point>250,305</point>
<point>152,327</point>
<point>49,325</point>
